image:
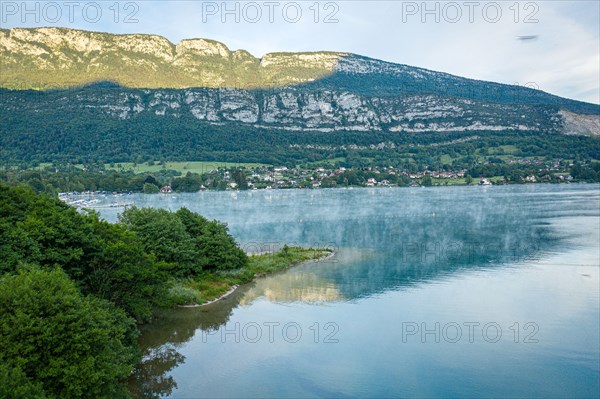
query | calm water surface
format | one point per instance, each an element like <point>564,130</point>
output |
<point>433,292</point>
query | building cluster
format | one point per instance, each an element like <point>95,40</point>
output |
<point>322,177</point>
<point>374,176</point>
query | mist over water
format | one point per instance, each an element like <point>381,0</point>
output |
<point>411,265</point>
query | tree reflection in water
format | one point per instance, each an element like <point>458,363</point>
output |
<point>150,379</point>
<point>169,331</point>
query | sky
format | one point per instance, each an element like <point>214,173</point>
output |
<point>550,45</point>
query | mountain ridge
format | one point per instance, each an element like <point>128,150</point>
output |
<point>61,58</point>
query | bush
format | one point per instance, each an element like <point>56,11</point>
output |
<point>184,239</point>
<point>104,259</point>
<point>162,234</point>
<point>14,384</point>
<point>150,188</point>
<point>70,345</point>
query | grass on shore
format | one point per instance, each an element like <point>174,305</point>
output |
<point>461,181</point>
<point>211,285</point>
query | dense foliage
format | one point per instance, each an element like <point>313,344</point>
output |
<point>67,178</point>
<point>185,240</point>
<point>59,343</point>
<point>106,260</point>
<point>72,287</point>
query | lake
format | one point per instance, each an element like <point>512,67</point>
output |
<point>432,292</point>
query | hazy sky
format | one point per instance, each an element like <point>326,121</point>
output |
<point>550,45</point>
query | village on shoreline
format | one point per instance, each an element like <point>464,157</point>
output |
<point>82,185</point>
<point>282,177</point>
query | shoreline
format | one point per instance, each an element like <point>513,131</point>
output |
<point>235,287</point>
<point>130,192</point>
<point>225,295</point>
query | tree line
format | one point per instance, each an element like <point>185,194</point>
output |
<point>73,289</point>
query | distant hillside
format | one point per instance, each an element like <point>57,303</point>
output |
<point>126,94</point>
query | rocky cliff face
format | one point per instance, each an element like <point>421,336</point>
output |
<point>295,109</point>
<point>586,125</point>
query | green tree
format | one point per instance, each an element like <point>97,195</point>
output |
<point>104,259</point>
<point>150,188</point>
<point>191,182</point>
<point>151,180</point>
<point>215,248</point>
<point>162,233</point>
<point>119,270</point>
<point>74,346</point>
<point>239,177</point>
<point>14,384</point>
